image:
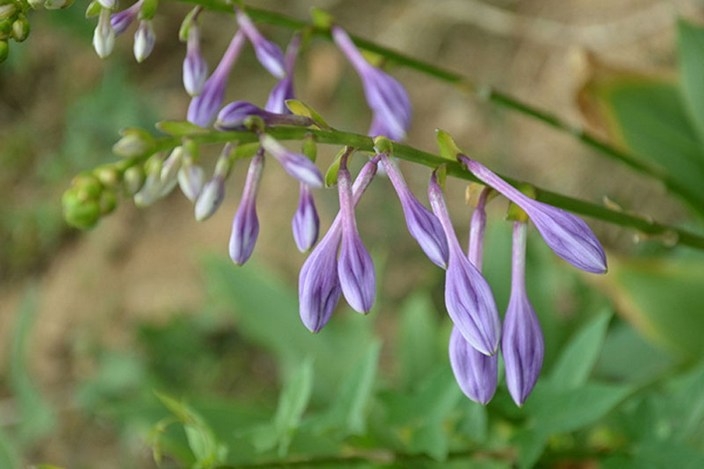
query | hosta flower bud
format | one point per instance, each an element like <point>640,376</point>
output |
<point>296,164</point>
<point>475,372</point>
<point>245,226</point>
<point>268,53</point>
<point>144,39</point>
<point>305,223</point>
<point>104,35</point>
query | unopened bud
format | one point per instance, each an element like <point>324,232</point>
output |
<point>8,11</point>
<point>20,28</point>
<point>133,179</point>
<point>108,176</point>
<point>134,143</point>
<point>104,35</point>
<point>210,198</point>
<point>144,39</point>
<point>190,179</point>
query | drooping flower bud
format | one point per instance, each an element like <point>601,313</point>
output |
<point>204,107</point>
<point>468,298</point>
<point>386,97</point>
<point>295,164</point>
<point>305,223</point>
<point>355,267</point>
<point>191,178</point>
<point>522,342</point>
<point>245,225</point>
<point>195,68</point>
<point>283,90</point>
<point>421,223</point>
<point>566,234</point>
<point>122,20</point>
<point>233,116</point>
<point>144,39</point>
<point>268,53</point>
<point>475,372</point>
<point>477,227</point>
<point>104,35</point>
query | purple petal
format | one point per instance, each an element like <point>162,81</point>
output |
<point>284,90</point>
<point>477,227</point>
<point>245,226</point>
<point>421,223</point>
<point>122,20</point>
<point>305,223</point>
<point>468,298</point>
<point>268,53</point>
<point>296,164</point>
<point>476,373</point>
<point>522,343</point>
<point>566,234</point>
<point>195,68</point>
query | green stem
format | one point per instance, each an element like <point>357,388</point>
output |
<point>670,235</point>
<point>465,85</point>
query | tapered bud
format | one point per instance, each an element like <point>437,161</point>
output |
<point>468,298</point>
<point>305,223</point>
<point>566,234</point>
<point>476,373</point>
<point>295,164</point>
<point>245,226</point>
<point>195,68</point>
<point>522,342</point>
<point>268,53</point>
<point>104,35</point>
<point>283,90</point>
<point>122,20</point>
<point>144,39</point>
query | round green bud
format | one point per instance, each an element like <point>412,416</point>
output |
<point>87,187</point>
<point>133,179</point>
<point>108,175</point>
<point>108,202</point>
<point>20,28</point>
<point>80,213</point>
<point>134,143</point>
<point>8,11</point>
<point>5,29</point>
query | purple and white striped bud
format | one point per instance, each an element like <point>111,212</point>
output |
<point>283,90</point>
<point>245,226</point>
<point>233,116</point>
<point>421,223</point>
<point>566,234</point>
<point>104,35</point>
<point>305,223</point>
<point>522,343</point>
<point>354,267</point>
<point>195,68</point>
<point>204,107</point>
<point>268,53</point>
<point>144,39</point>
<point>476,373</point>
<point>477,228</point>
<point>468,298</point>
<point>319,287</point>
<point>122,20</point>
<point>386,97</point>
<point>295,164</point>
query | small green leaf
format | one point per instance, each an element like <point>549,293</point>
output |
<point>448,148</point>
<point>581,353</point>
<point>331,173</point>
<point>300,108</point>
<point>292,403</point>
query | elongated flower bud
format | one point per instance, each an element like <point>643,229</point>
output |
<point>319,288</point>
<point>567,235</point>
<point>355,267</point>
<point>295,164</point>
<point>204,107</point>
<point>477,227</point>
<point>104,35</point>
<point>268,53</point>
<point>476,373</point>
<point>245,226</point>
<point>522,343</point>
<point>421,223</point>
<point>468,298</point>
<point>386,97</point>
<point>233,116</point>
<point>122,20</point>
<point>144,39</point>
<point>191,178</point>
<point>283,90</point>
<point>195,69</point>
<point>305,223</point>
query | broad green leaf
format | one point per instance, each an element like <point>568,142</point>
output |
<point>348,408</point>
<point>646,115</point>
<point>690,41</point>
<point>417,342</point>
<point>662,298</point>
<point>578,357</point>
<point>667,454</point>
<point>292,403</point>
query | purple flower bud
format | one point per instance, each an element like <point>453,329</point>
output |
<point>566,234</point>
<point>477,227</point>
<point>305,223</point>
<point>421,223</point>
<point>245,226</point>
<point>204,107</point>
<point>144,39</point>
<point>476,373</point>
<point>195,69</point>
<point>234,115</point>
<point>386,97</point>
<point>268,53</point>
<point>522,342</point>
<point>295,164</point>
<point>104,35</point>
<point>122,20</point>
<point>318,284</point>
<point>468,298</point>
<point>319,288</point>
<point>283,90</point>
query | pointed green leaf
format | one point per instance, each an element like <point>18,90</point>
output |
<point>293,401</point>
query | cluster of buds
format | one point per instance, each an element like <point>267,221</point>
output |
<point>339,265</point>
<point>112,23</point>
<point>14,24</point>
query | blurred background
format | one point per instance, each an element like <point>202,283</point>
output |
<point>93,322</point>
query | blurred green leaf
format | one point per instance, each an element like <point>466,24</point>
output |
<point>9,456</point>
<point>292,403</point>
<point>417,349</point>
<point>37,415</point>
<point>662,297</point>
<point>690,41</point>
<point>578,357</point>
